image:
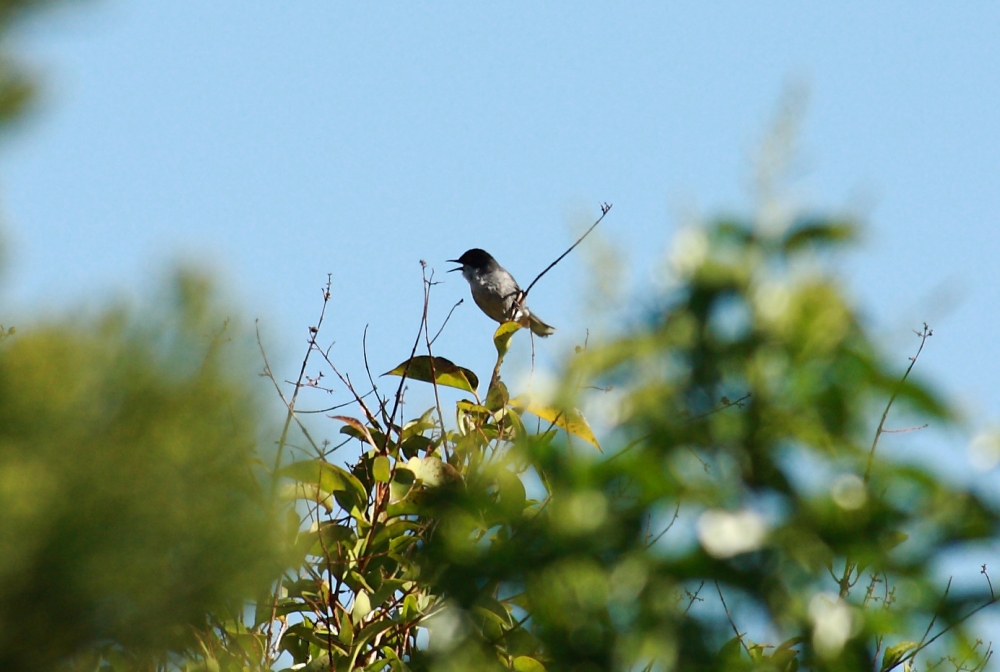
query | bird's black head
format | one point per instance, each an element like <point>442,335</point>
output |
<point>475,258</point>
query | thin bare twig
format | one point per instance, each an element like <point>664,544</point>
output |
<point>724,403</point>
<point>346,380</point>
<point>934,618</point>
<point>632,444</point>
<point>397,398</point>
<point>677,513</point>
<point>605,209</point>
<point>924,644</point>
<point>333,408</point>
<point>428,282</point>
<point>730,617</point>
<point>924,335</point>
<point>290,416</point>
<point>693,597</point>
<point>368,370</point>
<point>906,429</point>
<point>313,331</point>
<point>288,405</point>
<point>849,566</point>
<point>460,302</point>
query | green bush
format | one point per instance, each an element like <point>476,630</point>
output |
<point>128,507</point>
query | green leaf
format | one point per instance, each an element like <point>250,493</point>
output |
<point>516,425</point>
<point>512,495</point>
<point>396,529</point>
<point>789,643</point>
<point>362,606</point>
<point>402,483</point>
<point>570,420</point>
<point>329,478</point>
<point>373,629</point>
<point>357,582</point>
<point>388,588</point>
<point>527,664</point>
<point>785,657</point>
<point>497,396</point>
<point>415,445</point>
<point>292,524</point>
<point>346,633</point>
<point>502,337</point>
<point>894,654</point>
<point>520,642</point>
<point>380,469</point>
<point>891,539</point>
<point>291,492</point>
<point>334,534</point>
<point>360,430</point>
<point>411,609</point>
<point>285,607</point>
<point>818,232</point>
<point>468,407</point>
<point>730,651</point>
<point>437,369</point>
<point>495,609</point>
<point>415,428</point>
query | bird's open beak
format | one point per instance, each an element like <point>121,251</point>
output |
<point>455,261</point>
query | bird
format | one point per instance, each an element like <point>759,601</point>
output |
<point>496,292</point>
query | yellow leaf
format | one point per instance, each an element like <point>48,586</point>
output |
<point>527,664</point>
<point>894,654</point>
<point>469,407</point>
<point>570,420</point>
<point>502,336</point>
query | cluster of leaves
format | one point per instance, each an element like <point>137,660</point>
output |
<point>745,407</point>
<point>359,593</point>
<point>740,466</point>
<point>744,322</point>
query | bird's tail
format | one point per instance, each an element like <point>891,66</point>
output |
<point>538,327</point>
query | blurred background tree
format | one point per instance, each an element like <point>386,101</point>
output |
<point>129,510</point>
<point>131,518</point>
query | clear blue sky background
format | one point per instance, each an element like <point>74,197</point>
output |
<point>277,142</point>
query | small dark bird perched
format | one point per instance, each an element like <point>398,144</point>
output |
<point>496,291</point>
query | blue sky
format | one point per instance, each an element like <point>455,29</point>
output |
<point>275,143</point>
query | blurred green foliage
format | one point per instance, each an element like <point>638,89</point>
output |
<point>17,87</point>
<point>746,412</point>
<point>128,506</point>
<point>738,480</point>
<point>130,516</point>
